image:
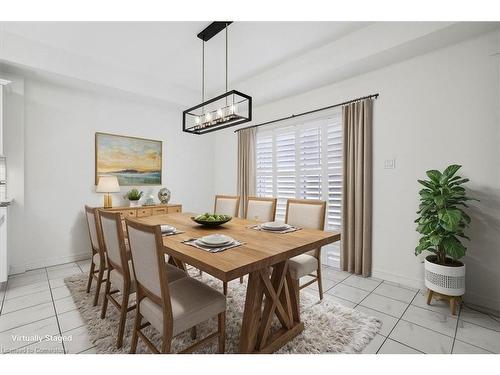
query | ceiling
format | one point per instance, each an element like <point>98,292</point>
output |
<point>171,52</point>
<point>163,59</point>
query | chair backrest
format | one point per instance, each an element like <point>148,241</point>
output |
<point>306,213</point>
<point>227,205</point>
<point>142,242</point>
<point>148,262</point>
<point>114,240</point>
<point>92,219</point>
<point>260,209</point>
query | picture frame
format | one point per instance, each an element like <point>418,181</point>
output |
<point>134,161</point>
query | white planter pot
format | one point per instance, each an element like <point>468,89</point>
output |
<point>446,280</point>
<point>134,203</point>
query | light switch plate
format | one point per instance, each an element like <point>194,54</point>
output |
<point>390,164</point>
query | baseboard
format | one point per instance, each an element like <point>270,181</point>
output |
<point>471,298</point>
<point>490,305</point>
<point>398,279</point>
<point>48,262</point>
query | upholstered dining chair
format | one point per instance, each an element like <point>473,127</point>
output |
<point>170,306</point>
<point>227,205</point>
<point>306,213</point>
<point>120,274</point>
<point>98,261</point>
<point>260,208</point>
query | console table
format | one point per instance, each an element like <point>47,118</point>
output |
<point>144,211</point>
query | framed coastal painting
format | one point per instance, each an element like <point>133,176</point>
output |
<point>134,161</point>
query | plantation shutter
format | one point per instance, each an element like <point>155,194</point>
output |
<point>304,161</point>
<point>309,154</point>
<point>264,165</point>
<point>334,170</point>
<point>284,169</point>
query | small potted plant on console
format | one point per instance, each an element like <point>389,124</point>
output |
<point>133,196</point>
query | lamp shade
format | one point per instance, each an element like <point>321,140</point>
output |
<point>107,184</point>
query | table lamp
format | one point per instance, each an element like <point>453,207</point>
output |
<point>107,184</point>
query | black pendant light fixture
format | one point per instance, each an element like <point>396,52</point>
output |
<point>229,109</point>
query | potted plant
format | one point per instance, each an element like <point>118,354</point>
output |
<point>133,196</point>
<point>441,222</point>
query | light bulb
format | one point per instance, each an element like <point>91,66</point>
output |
<point>234,109</point>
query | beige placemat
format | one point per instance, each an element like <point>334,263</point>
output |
<point>172,233</point>
<point>191,242</point>
<point>289,230</point>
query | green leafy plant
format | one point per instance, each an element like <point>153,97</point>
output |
<point>442,219</point>
<point>134,195</point>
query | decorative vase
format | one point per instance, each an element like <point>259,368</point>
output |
<point>150,201</point>
<point>134,204</point>
<point>447,280</point>
<point>164,195</point>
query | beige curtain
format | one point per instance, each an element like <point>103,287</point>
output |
<point>356,254</point>
<point>246,165</point>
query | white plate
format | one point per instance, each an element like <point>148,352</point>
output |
<point>216,239</point>
<point>199,242</point>
<point>167,228</point>
<point>275,225</point>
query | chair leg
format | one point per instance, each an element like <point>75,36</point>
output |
<point>224,287</point>
<point>165,346</point>
<point>123,319</point>
<point>98,286</point>
<point>91,273</point>
<point>320,281</point>
<point>222,332</point>
<point>241,280</point>
<point>135,332</point>
<point>106,296</point>
<point>193,333</point>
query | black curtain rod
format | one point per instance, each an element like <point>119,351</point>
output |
<point>309,112</point>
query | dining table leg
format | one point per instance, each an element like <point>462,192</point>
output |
<point>177,263</point>
<point>251,313</point>
<point>260,333</point>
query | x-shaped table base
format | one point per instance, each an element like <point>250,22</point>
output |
<point>281,300</point>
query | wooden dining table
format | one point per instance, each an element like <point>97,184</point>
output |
<point>259,251</point>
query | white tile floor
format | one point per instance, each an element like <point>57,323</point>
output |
<point>37,303</point>
<point>409,325</point>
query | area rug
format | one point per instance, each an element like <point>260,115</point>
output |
<point>328,327</point>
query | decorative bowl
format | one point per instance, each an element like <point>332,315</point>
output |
<point>211,220</point>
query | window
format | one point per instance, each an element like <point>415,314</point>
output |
<point>303,161</point>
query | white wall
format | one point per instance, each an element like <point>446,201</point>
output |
<point>56,148</point>
<point>14,149</point>
<point>433,110</point>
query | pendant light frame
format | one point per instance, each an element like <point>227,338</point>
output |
<point>235,107</point>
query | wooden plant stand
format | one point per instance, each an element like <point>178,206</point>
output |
<point>452,300</point>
